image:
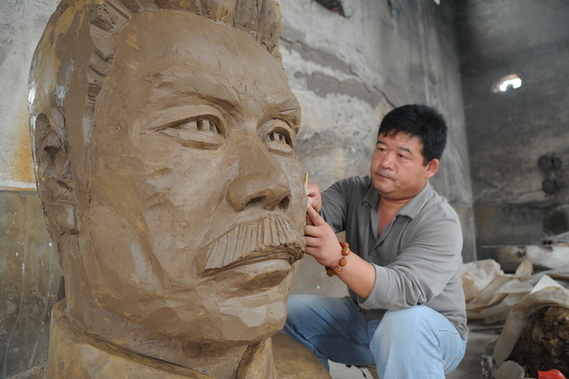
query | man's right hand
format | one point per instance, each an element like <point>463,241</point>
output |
<point>321,241</point>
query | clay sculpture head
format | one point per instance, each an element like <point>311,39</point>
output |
<point>162,134</point>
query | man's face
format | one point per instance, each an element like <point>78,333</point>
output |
<point>397,166</point>
<point>196,198</point>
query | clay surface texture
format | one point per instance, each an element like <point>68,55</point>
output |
<point>163,138</point>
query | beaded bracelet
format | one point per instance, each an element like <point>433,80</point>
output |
<point>342,262</point>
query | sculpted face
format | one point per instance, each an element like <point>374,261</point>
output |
<point>196,198</point>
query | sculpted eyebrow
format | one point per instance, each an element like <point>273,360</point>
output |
<point>198,85</point>
<point>289,110</point>
<point>165,93</point>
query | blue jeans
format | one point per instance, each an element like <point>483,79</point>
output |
<point>412,343</point>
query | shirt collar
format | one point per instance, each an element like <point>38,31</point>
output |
<point>414,206</point>
<point>411,209</point>
<point>371,198</point>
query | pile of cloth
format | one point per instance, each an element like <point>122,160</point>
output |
<point>531,308</point>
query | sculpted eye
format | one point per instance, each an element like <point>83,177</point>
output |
<point>202,132</point>
<point>205,125</point>
<point>279,137</point>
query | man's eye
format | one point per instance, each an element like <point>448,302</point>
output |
<point>198,132</point>
<point>279,138</point>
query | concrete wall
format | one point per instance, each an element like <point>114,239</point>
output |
<point>347,71</point>
<point>29,270</point>
<point>509,132</point>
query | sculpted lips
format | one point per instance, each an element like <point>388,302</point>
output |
<point>271,238</point>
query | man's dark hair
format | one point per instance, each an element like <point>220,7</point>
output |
<point>420,121</point>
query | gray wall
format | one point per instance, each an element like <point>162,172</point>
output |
<point>347,73</point>
<point>29,269</point>
<point>509,132</point>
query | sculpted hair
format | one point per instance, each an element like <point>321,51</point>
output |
<point>63,57</point>
<point>420,121</point>
<point>75,56</point>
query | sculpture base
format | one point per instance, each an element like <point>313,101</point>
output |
<point>75,354</point>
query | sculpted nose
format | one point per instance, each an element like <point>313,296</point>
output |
<point>260,182</point>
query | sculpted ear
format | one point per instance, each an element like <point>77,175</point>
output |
<point>53,172</point>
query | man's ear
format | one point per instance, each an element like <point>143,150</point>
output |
<point>53,171</point>
<point>432,168</point>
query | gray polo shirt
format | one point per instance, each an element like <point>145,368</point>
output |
<point>418,256</point>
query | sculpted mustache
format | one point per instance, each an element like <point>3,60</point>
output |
<point>272,235</point>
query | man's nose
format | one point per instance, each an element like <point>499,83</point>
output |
<point>387,161</point>
<point>261,180</point>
